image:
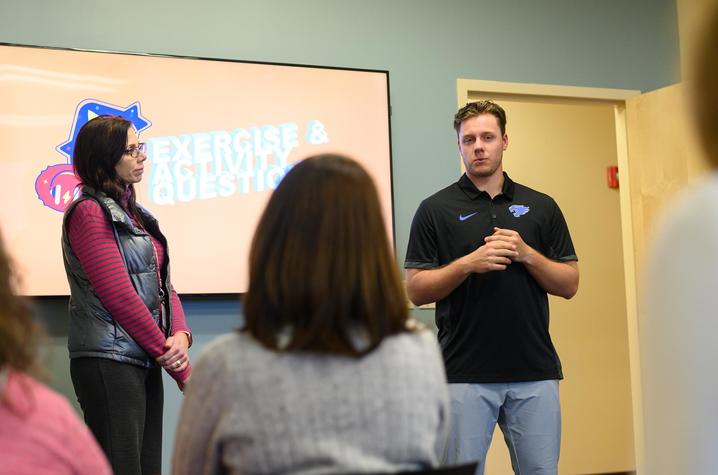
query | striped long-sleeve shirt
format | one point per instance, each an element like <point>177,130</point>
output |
<point>93,242</point>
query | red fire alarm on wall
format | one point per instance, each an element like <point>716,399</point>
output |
<point>612,176</point>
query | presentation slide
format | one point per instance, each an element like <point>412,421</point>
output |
<point>220,135</point>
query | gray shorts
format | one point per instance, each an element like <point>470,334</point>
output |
<point>528,413</point>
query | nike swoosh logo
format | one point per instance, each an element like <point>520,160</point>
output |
<point>464,218</point>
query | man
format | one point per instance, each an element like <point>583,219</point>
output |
<point>487,250</point>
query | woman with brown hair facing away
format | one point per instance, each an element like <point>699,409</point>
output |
<point>39,431</point>
<point>126,320</point>
<point>328,375</point>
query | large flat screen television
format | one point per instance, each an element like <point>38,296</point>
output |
<point>221,135</point>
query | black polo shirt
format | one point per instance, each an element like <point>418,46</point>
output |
<point>494,327</point>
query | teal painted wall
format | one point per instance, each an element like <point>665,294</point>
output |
<point>424,44</point>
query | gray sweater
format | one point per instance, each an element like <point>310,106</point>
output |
<point>251,410</point>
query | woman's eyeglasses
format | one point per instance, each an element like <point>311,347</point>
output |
<point>135,150</point>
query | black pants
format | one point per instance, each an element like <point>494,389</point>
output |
<point>122,404</point>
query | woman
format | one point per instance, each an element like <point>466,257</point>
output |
<point>125,318</point>
<point>327,376</point>
<point>679,331</point>
<point>39,431</point>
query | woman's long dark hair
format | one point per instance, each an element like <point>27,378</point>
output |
<point>99,146</point>
<point>321,265</point>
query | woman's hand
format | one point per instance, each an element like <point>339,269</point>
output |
<point>176,358</point>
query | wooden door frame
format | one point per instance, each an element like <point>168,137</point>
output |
<point>466,88</point>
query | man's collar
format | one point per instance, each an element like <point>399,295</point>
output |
<point>468,187</point>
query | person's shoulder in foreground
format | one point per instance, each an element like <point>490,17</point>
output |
<point>226,347</point>
<point>384,411</point>
<point>41,433</point>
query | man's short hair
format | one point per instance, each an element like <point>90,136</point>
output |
<point>475,109</point>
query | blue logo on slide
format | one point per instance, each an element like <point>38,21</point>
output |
<point>56,185</point>
<point>89,109</point>
<point>519,210</point>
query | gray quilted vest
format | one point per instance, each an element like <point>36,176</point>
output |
<point>92,331</point>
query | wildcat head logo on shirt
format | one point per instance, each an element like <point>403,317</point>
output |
<point>56,185</point>
<point>519,210</point>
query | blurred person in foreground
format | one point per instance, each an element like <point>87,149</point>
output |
<point>126,320</point>
<point>328,375</point>
<point>39,430</point>
<point>679,331</point>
